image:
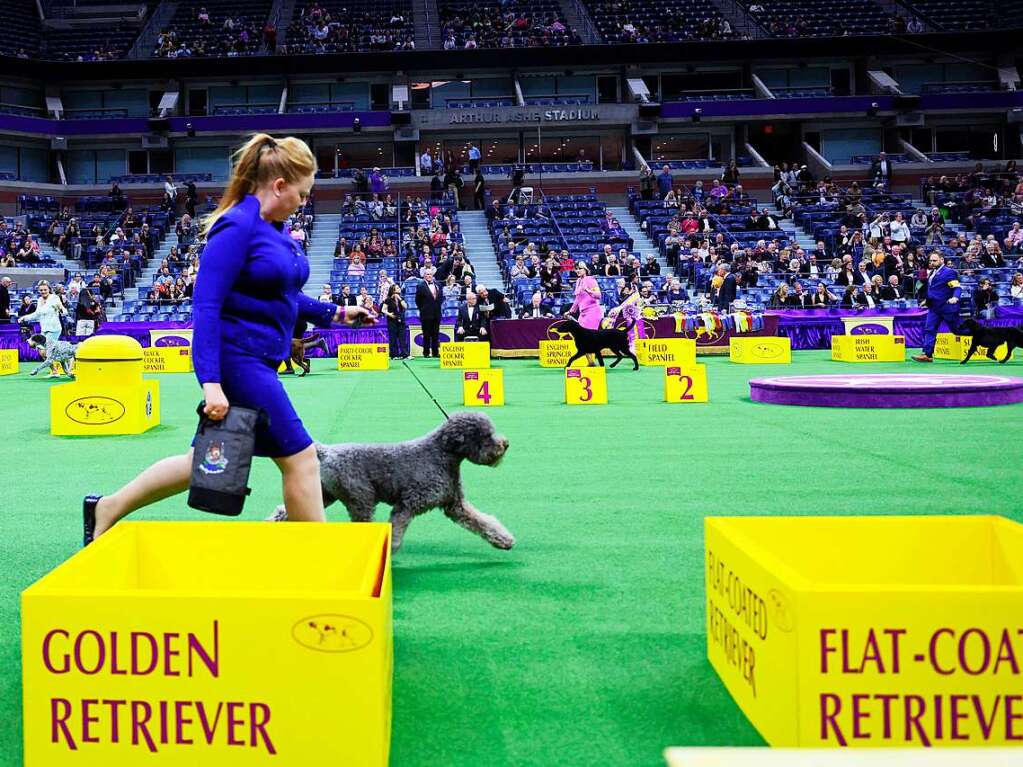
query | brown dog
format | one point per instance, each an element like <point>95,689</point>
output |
<point>299,346</point>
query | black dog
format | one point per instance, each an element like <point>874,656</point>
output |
<point>593,341</point>
<point>990,339</point>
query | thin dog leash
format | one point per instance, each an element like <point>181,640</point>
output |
<point>428,393</point>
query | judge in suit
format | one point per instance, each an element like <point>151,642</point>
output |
<point>943,291</point>
<point>727,291</point>
<point>429,299</point>
<point>893,290</point>
<point>470,322</point>
<point>536,309</point>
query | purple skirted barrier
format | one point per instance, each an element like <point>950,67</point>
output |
<point>813,328</point>
<point>521,338</point>
<point>10,337</point>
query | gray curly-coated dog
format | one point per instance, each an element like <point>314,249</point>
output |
<point>414,477</point>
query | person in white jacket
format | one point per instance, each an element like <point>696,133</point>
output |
<point>49,309</point>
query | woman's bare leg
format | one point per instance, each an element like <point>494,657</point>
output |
<point>303,497</point>
<point>163,479</point>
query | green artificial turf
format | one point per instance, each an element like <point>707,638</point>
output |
<point>585,643</point>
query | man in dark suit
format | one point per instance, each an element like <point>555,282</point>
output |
<point>493,303</point>
<point>799,298</point>
<point>893,290</point>
<point>429,299</point>
<point>5,299</point>
<point>766,222</point>
<point>728,289</point>
<point>881,169</point>
<point>470,322</point>
<point>345,297</point>
<point>537,309</point>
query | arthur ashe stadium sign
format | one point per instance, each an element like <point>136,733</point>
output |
<point>460,117</point>
<point>605,113</point>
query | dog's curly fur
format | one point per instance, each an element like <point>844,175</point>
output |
<point>414,477</point>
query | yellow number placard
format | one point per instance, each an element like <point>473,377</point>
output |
<point>8,362</point>
<point>363,357</point>
<point>586,386</point>
<point>657,352</point>
<point>167,359</point>
<point>949,346</point>
<point>760,350</point>
<point>483,388</point>
<point>471,355</point>
<point>868,348</point>
<point>685,384</point>
<point>556,354</point>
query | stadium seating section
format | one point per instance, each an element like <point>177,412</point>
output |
<point>189,36</point>
<point>334,26</point>
<point>515,24</point>
<point>659,21</point>
<point>813,18</point>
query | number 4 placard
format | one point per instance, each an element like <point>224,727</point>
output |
<point>586,386</point>
<point>483,388</point>
<point>685,384</point>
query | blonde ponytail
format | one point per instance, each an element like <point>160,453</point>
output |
<point>263,159</point>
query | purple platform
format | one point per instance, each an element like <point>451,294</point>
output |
<point>888,390</point>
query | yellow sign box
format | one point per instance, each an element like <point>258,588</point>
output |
<point>195,643</point>
<point>666,351</point>
<point>363,357</point>
<point>685,384</point>
<point>8,362</point>
<point>869,631</point>
<point>868,348</point>
<point>109,395</point>
<point>760,350</point>
<point>473,355</point>
<point>949,346</point>
<point>556,354</point>
<point>167,359</point>
<point>483,388</point>
<point>586,386</point>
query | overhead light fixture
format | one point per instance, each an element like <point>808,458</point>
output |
<point>697,114</point>
<point>874,109</point>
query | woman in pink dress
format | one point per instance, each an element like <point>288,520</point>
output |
<point>587,301</point>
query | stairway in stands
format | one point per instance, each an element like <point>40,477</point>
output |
<point>642,244</point>
<point>145,282</point>
<point>797,235</point>
<point>479,248</point>
<point>320,250</point>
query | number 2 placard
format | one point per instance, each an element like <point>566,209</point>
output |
<point>685,384</point>
<point>483,388</point>
<point>586,386</point>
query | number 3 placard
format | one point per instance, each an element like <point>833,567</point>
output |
<point>483,388</point>
<point>685,384</point>
<point>586,386</point>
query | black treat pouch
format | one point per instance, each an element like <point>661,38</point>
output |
<point>222,460</point>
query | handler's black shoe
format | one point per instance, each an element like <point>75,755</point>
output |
<point>89,518</point>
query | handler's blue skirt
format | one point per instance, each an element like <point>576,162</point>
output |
<point>252,382</point>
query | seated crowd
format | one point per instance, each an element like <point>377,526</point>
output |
<point>515,24</point>
<point>334,28</point>
<point>231,30</point>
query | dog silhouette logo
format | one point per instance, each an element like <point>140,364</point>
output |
<point>332,633</point>
<point>556,331</point>
<point>766,351</point>
<point>869,329</point>
<point>94,411</point>
<point>781,611</point>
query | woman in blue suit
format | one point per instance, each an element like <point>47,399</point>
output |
<point>248,297</point>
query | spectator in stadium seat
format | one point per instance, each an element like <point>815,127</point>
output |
<point>345,297</point>
<point>822,296</point>
<point>799,298</point>
<point>327,295</point>
<point>892,290</point>
<point>651,267</point>
<point>5,299</point>
<point>730,176</point>
<point>1016,286</point>
<point>881,170</point>
<point>780,298</point>
<point>985,299</point>
<point>727,291</point>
